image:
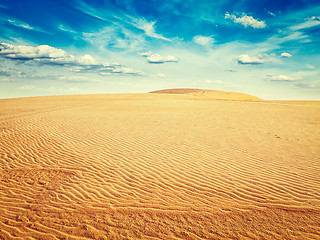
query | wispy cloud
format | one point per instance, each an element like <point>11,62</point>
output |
<point>293,36</point>
<point>246,20</point>
<point>20,24</point>
<point>155,58</point>
<point>115,37</point>
<point>24,25</point>
<point>66,29</point>
<point>14,73</point>
<point>48,89</point>
<point>106,69</point>
<point>78,79</point>
<point>209,83</point>
<point>281,78</point>
<point>123,30</point>
<point>148,28</point>
<point>27,87</point>
<point>310,66</point>
<point>272,14</point>
<point>311,22</point>
<point>4,72</point>
<point>307,85</point>
<point>230,70</point>
<point>119,70</point>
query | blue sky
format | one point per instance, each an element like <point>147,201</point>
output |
<point>269,49</point>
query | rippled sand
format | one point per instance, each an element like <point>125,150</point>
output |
<point>159,166</point>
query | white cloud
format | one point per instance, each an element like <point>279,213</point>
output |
<point>145,54</point>
<point>246,20</point>
<point>286,55</point>
<point>157,58</point>
<point>45,54</point>
<point>280,78</point>
<point>246,59</point>
<point>86,60</point>
<point>204,41</point>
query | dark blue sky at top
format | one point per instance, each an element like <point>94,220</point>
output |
<point>183,19</point>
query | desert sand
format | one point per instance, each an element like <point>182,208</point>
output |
<point>183,164</point>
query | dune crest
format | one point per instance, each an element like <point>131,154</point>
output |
<point>210,94</point>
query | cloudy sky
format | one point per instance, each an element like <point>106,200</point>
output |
<point>269,49</point>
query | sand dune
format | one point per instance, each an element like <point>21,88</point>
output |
<point>159,166</point>
<point>204,94</point>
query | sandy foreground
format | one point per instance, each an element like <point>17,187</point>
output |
<point>159,166</point>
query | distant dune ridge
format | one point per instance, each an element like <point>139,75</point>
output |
<point>195,165</point>
<point>210,94</point>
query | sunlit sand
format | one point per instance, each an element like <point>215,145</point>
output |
<point>183,164</point>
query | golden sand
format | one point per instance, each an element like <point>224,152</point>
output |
<point>159,166</point>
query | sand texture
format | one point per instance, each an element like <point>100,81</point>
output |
<point>159,166</point>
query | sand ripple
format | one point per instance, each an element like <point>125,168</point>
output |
<point>158,166</point>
